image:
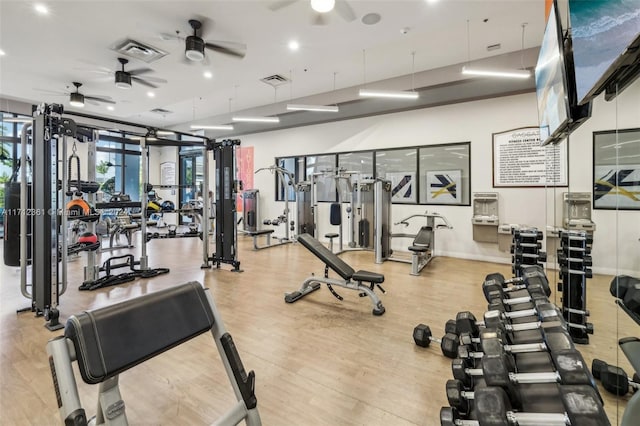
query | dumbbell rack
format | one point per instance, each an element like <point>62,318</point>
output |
<point>526,249</point>
<point>574,260</point>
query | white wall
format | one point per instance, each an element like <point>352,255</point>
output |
<point>475,122</point>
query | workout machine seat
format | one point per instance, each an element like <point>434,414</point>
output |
<point>267,232</point>
<point>421,249</point>
<point>350,278</point>
<point>108,341</point>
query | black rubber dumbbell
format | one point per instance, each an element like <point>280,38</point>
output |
<point>492,408</point>
<point>422,336</point>
<point>614,379</point>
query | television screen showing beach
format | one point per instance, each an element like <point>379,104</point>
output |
<point>600,30</point>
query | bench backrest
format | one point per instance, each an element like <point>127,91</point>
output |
<point>113,339</point>
<point>327,256</point>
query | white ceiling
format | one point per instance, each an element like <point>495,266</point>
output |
<point>50,51</point>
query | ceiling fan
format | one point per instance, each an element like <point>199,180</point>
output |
<point>320,9</point>
<point>194,50</point>
<point>78,99</point>
<point>124,79</point>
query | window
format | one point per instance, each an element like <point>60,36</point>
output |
<point>326,186</point>
<point>118,167</point>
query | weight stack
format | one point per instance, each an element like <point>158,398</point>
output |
<point>12,213</point>
<point>574,260</point>
<point>526,249</point>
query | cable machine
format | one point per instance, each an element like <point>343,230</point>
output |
<point>49,269</point>
<point>227,186</point>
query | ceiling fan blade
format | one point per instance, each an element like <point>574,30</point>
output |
<point>143,82</point>
<point>91,101</point>
<point>280,4</point>
<point>139,71</point>
<point>345,10</point>
<point>51,92</point>
<point>155,79</point>
<point>238,50</point>
<point>104,99</point>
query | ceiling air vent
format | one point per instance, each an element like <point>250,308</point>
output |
<point>275,80</point>
<point>137,50</point>
<point>161,111</point>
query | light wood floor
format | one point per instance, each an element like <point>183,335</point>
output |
<point>317,361</point>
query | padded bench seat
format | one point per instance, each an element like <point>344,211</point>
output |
<point>368,277</point>
<point>260,232</point>
<point>350,278</point>
<point>419,249</point>
<point>113,339</point>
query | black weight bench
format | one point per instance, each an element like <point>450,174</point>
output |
<point>351,279</point>
<point>108,341</point>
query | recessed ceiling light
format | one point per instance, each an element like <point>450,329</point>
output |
<point>110,107</point>
<point>294,45</point>
<point>151,94</point>
<point>207,74</point>
<point>2,52</point>
<point>432,1</point>
<point>41,8</point>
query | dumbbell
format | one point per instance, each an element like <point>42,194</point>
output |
<point>533,234</point>
<point>449,343</point>
<point>584,260</point>
<point>565,270</point>
<point>554,339</point>
<point>492,408</point>
<point>536,290</point>
<point>614,379</point>
<point>466,322</point>
<point>499,370</point>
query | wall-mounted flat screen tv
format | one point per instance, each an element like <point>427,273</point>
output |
<point>606,45</point>
<point>551,82</point>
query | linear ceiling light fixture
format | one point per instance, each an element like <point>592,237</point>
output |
<point>397,94</point>
<point>392,94</point>
<point>315,108</point>
<point>496,73</point>
<point>256,119</point>
<point>485,72</point>
<point>211,127</point>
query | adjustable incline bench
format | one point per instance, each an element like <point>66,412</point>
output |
<point>108,341</point>
<point>350,278</point>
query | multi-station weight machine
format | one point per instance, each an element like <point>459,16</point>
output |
<point>251,213</point>
<point>423,243</point>
<point>363,196</point>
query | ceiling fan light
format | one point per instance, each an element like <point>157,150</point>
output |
<point>123,80</point>
<point>194,48</point>
<point>323,6</point>
<point>76,100</point>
